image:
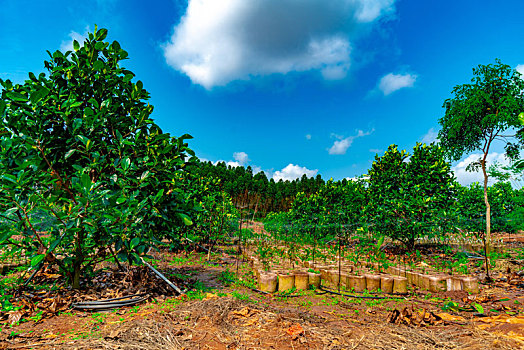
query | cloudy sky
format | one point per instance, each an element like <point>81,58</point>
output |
<point>290,87</point>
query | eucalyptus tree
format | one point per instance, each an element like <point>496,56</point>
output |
<point>78,147</point>
<point>480,113</point>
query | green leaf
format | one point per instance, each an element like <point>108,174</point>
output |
<point>122,257</point>
<point>82,138</point>
<point>99,45</point>
<point>98,65</point>
<point>77,123</point>
<point>158,195</point>
<point>186,219</point>
<point>521,118</point>
<point>88,112</point>
<point>76,104</point>
<point>134,242</point>
<point>76,45</point>
<point>9,177</point>
<point>478,307</point>
<point>86,182</point>
<point>120,200</point>
<point>6,235</point>
<point>94,103</point>
<point>37,260</point>
<point>186,137</point>
<point>10,211</point>
<point>15,96</point>
<point>101,34</point>
<point>33,77</point>
<point>116,45</point>
<point>128,77</point>
<point>2,107</point>
<point>69,153</point>
<point>125,163</point>
<point>105,103</point>
<point>144,175</point>
<point>451,305</point>
<point>39,94</point>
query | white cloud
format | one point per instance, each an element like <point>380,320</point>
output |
<point>217,42</point>
<point>430,136</point>
<point>357,178</point>
<point>341,145</point>
<point>308,137</point>
<point>520,69</point>
<point>465,177</point>
<point>67,45</point>
<point>292,172</point>
<point>233,164</point>
<point>257,169</point>
<point>393,82</point>
<point>241,157</point>
<point>375,150</point>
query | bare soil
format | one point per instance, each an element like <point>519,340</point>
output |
<point>218,314</point>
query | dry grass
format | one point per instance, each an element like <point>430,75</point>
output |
<point>229,323</point>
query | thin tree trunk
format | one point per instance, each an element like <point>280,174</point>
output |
<point>255,212</point>
<point>79,259</point>
<point>487,240</point>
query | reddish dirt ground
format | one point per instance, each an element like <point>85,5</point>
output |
<point>219,314</point>
<point>225,316</point>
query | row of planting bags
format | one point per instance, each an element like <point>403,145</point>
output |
<point>396,281</point>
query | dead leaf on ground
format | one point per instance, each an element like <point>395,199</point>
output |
<point>295,330</point>
<point>15,316</point>
<point>245,312</point>
<point>210,296</point>
<point>411,317</point>
<point>447,317</point>
<point>502,319</point>
<point>114,333</point>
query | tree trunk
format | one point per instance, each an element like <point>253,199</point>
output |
<point>79,260</point>
<point>487,240</point>
<point>488,207</point>
<point>76,275</point>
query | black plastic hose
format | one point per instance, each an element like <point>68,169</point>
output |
<point>110,303</point>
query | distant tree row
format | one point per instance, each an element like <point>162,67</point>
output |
<point>255,192</point>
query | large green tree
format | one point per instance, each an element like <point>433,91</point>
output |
<point>78,148</point>
<point>481,113</point>
<point>410,198</point>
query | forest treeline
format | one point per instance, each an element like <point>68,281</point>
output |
<point>254,191</point>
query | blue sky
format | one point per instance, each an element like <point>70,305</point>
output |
<point>286,86</point>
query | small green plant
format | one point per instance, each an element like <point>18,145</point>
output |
<point>241,296</point>
<point>37,317</point>
<point>226,277</point>
<point>99,318</point>
<point>134,309</point>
